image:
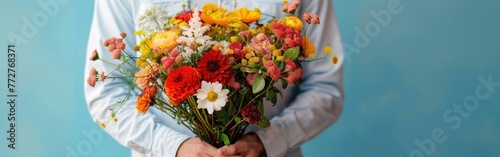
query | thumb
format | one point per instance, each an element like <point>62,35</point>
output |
<point>228,150</point>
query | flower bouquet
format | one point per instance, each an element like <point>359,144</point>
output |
<point>211,70</point>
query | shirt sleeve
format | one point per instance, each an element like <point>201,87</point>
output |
<point>319,101</point>
<point>142,133</point>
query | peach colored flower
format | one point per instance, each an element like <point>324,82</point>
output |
<point>307,17</point>
<point>92,77</point>
<point>94,56</point>
<point>143,76</point>
<point>103,76</point>
<point>314,19</point>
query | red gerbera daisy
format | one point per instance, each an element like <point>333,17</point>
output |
<point>214,67</point>
<point>182,83</point>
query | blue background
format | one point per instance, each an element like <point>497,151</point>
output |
<point>398,86</point>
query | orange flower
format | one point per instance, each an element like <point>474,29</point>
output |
<point>144,100</point>
<point>181,83</point>
<point>308,47</point>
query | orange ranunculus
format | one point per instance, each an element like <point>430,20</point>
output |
<point>181,83</point>
<point>144,100</point>
<point>293,22</point>
<point>246,16</point>
<point>165,41</point>
<point>308,47</point>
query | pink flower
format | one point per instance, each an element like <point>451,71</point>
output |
<point>115,54</point>
<point>291,9</point>
<point>307,17</point>
<point>296,2</point>
<point>115,46</point>
<point>250,79</point>
<point>290,65</point>
<point>273,70</point>
<point>92,77</point>
<point>294,76</point>
<point>94,56</point>
<point>232,83</point>
<point>245,33</point>
<point>167,62</point>
<point>261,37</point>
<point>314,19</point>
<point>103,76</point>
<point>123,34</point>
<point>175,53</point>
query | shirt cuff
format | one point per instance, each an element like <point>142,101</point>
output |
<point>168,141</point>
<point>274,144</point>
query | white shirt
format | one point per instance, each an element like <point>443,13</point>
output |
<point>302,114</point>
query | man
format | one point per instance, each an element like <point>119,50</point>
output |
<point>302,114</point>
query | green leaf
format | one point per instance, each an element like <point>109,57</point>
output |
<point>258,84</point>
<point>270,95</point>
<point>236,67</point>
<point>264,123</point>
<point>225,138</point>
<point>292,53</point>
<point>284,84</point>
<point>243,91</point>
<point>261,107</point>
<point>237,119</point>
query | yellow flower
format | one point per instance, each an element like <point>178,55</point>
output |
<point>246,16</point>
<point>238,25</point>
<point>285,1</point>
<point>335,59</point>
<point>280,58</point>
<point>212,14</point>
<point>234,39</point>
<point>293,22</point>
<point>102,125</point>
<point>139,32</point>
<point>327,49</point>
<point>165,41</point>
<point>308,47</point>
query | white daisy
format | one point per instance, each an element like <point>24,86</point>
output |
<point>153,19</point>
<point>211,96</point>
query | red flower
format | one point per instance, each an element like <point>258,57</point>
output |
<point>181,83</point>
<point>214,67</point>
<point>252,113</point>
<point>186,16</point>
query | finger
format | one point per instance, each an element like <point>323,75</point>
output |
<point>211,151</point>
<point>228,150</point>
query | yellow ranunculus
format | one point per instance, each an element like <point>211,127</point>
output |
<point>246,16</point>
<point>165,41</point>
<point>293,22</point>
<point>212,14</point>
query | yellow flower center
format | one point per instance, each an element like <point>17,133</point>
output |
<point>212,96</point>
